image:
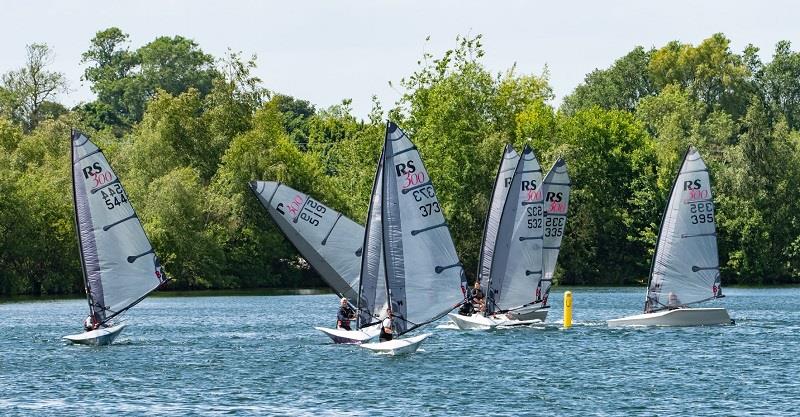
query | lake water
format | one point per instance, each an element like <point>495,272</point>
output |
<point>259,355</point>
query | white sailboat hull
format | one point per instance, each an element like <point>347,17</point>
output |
<point>677,317</point>
<point>99,337</point>
<point>480,322</point>
<point>397,346</point>
<point>538,313</point>
<point>351,336</point>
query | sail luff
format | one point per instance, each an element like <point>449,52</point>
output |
<point>77,223</point>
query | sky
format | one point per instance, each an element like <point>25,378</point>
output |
<point>328,50</point>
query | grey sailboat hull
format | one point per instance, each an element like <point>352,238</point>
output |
<point>677,317</point>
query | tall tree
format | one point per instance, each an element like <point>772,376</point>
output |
<point>125,80</point>
<point>29,89</point>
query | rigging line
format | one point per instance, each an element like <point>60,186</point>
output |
<point>95,190</point>
<point>132,216</point>
<point>416,232</point>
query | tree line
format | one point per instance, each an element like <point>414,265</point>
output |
<point>186,131</point>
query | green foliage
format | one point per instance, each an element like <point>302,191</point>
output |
<point>619,87</point>
<point>186,137</point>
<point>26,94</point>
<point>125,80</point>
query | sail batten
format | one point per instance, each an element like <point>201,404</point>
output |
<point>685,266</point>
<point>424,277</point>
<point>119,264</point>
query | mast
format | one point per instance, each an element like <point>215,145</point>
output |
<point>369,270</point>
<point>73,136</point>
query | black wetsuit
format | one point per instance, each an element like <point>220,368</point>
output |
<point>343,317</point>
<point>385,337</point>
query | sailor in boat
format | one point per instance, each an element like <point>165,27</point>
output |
<point>344,315</point>
<point>478,299</point>
<point>672,301</point>
<point>88,324</point>
<point>386,327</point>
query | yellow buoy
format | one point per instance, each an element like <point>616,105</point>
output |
<point>568,309</point>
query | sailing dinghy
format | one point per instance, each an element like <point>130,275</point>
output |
<point>555,190</point>
<point>685,266</point>
<point>119,265</point>
<point>514,277</point>
<point>329,241</point>
<point>406,228</point>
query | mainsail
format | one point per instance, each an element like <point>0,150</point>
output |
<point>685,268</point>
<point>516,273</point>
<point>119,265</point>
<point>372,288</point>
<point>328,240</point>
<point>501,184</point>
<point>555,190</point>
<point>424,277</point>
